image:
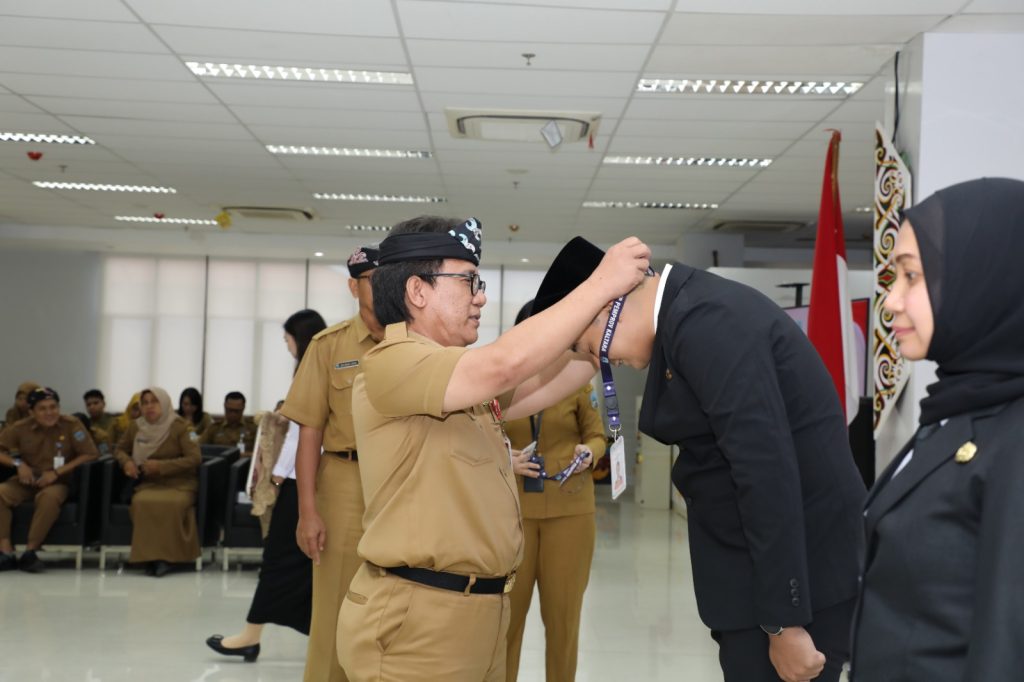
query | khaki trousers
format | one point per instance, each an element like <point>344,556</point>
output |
<point>557,553</point>
<point>396,630</point>
<point>47,502</point>
<point>339,501</point>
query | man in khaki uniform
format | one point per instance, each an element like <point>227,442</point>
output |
<point>49,446</point>
<point>558,523</point>
<point>442,530</point>
<point>330,497</point>
<point>234,428</point>
<point>19,410</point>
<point>96,408</point>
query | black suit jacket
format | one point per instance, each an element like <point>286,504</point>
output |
<point>943,585</point>
<point>772,493</point>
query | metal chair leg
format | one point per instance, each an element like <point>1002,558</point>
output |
<point>78,559</point>
<point>103,558</point>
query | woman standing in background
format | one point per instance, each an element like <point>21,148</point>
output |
<point>284,593</point>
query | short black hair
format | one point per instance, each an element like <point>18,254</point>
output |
<point>389,280</point>
<point>235,395</point>
<point>193,394</point>
<point>94,393</point>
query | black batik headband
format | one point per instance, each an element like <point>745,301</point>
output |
<point>363,260</point>
<point>464,242</point>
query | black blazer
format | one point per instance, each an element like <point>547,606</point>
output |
<point>943,587</point>
<point>772,492</point>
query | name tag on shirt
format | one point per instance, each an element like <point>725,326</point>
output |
<point>618,456</point>
<point>346,365</point>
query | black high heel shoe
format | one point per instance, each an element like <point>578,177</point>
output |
<point>248,653</point>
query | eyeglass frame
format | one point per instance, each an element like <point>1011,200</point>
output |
<point>476,285</point>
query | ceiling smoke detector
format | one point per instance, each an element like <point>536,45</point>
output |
<point>296,215</point>
<point>511,125</point>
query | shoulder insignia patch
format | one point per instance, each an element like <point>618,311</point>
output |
<point>79,436</point>
<point>346,365</point>
<point>593,397</point>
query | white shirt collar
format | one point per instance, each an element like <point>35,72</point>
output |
<point>660,294</point>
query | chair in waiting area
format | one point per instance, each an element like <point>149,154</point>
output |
<point>70,533</point>
<point>230,453</point>
<point>242,531</point>
<point>115,506</point>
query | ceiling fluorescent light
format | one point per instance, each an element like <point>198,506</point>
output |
<point>369,228</point>
<point>49,138</point>
<point>748,87</point>
<point>104,188</point>
<point>172,221</point>
<point>293,150</point>
<point>688,161</point>
<point>649,204</point>
<point>331,196</point>
<point>299,73</point>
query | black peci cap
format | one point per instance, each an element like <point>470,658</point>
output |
<point>572,266</point>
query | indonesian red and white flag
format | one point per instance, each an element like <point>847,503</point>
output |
<point>830,318</point>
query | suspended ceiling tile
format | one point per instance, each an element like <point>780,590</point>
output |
<point>566,57</point>
<point>154,111</point>
<point>45,61</point>
<point>329,118</point>
<point>280,48</point>
<point>107,88</point>
<point>100,10</point>
<point>343,96</point>
<point>682,108</point>
<point>667,129</point>
<point>78,35</point>
<point>341,137</point>
<point>749,62</point>
<point>331,17</point>
<point>847,7</point>
<point>505,23</point>
<point>100,126</point>
<point>687,28</point>
<point>513,81</point>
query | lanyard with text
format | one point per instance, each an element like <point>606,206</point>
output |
<point>611,403</point>
<point>611,400</point>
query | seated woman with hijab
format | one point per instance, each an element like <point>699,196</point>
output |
<point>159,453</point>
<point>942,593</point>
<point>20,410</point>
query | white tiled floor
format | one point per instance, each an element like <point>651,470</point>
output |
<point>639,623</point>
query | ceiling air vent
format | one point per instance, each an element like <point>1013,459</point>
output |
<point>270,213</point>
<point>512,125</point>
<point>757,226</point>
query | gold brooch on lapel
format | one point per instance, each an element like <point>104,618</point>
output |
<point>966,452</point>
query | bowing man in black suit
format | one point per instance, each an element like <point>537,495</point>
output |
<point>943,585</point>
<point>773,496</point>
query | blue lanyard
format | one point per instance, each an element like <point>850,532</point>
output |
<point>611,400</point>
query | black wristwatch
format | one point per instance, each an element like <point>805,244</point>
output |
<point>773,630</point>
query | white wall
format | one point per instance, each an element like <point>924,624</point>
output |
<point>50,308</point>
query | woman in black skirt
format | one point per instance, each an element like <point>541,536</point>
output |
<point>285,589</point>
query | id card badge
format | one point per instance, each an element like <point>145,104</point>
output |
<point>618,457</point>
<point>58,461</point>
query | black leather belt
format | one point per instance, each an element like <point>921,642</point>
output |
<point>454,581</point>
<point>350,455</point>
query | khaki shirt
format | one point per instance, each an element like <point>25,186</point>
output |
<point>222,433</point>
<point>37,445</point>
<point>321,393</point>
<point>573,421</point>
<point>178,455</point>
<point>439,488</point>
<point>105,423</point>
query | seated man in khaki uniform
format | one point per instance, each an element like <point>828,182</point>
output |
<point>234,427</point>
<point>96,408</point>
<point>48,446</point>
<point>442,529</point>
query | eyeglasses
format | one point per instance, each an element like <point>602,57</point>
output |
<point>476,285</point>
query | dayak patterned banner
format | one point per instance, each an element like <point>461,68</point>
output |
<point>892,197</point>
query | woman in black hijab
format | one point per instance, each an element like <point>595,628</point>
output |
<point>942,595</point>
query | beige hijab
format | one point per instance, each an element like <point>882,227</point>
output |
<point>152,436</point>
